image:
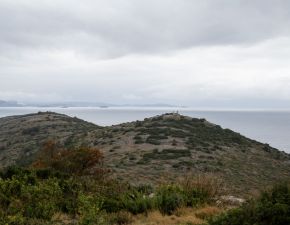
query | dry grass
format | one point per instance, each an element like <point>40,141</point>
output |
<point>180,217</point>
<point>62,219</point>
<point>208,183</point>
<point>207,212</point>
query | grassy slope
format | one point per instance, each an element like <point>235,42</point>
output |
<point>158,148</point>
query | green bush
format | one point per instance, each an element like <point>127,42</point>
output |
<point>35,196</point>
<point>111,204</point>
<point>132,199</point>
<point>69,201</point>
<point>146,189</point>
<point>34,200</point>
<point>195,196</point>
<point>272,208</point>
<point>169,198</point>
<point>90,210</point>
<point>136,203</point>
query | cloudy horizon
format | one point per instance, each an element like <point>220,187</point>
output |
<point>215,54</point>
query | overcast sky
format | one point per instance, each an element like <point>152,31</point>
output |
<point>200,53</point>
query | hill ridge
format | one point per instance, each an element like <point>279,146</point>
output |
<point>168,145</point>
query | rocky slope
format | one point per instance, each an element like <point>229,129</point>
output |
<point>159,148</point>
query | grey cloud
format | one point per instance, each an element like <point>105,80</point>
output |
<point>184,52</point>
<point>114,28</point>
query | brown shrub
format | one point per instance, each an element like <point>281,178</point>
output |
<point>206,183</point>
<point>79,161</point>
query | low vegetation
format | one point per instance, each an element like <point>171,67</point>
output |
<point>49,196</point>
<point>37,196</point>
<point>271,208</point>
<point>165,154</point>
<point>64,183</point>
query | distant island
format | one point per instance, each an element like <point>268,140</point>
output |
<point>9,104</point>
<point>78,104</point>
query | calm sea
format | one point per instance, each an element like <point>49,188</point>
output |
<point>272,127</point>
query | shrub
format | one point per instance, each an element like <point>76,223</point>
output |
<point>166,154</point>
<point>169,198</point>
<point>90,210</point>
<point>201,189</point>
<point>136,202</point>
<point>31,198</point>
<point>174,142</point>
<point>132,199</point>
<point>153,141</point>
<point>146,189</point>
<point>71,189</point>
<point>80,161</point>
<point>9,172</point>
<point>112,204</point>
<point>272,208</point>
<point>138,139</point>
<point>31,131</point>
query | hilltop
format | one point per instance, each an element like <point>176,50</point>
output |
<point>21,137</point>
<point>159,148</point>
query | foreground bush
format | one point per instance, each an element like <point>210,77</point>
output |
<point>73,182</point>
<point>190,191</point>
<point>201,189</point>
<point>136,202</point>
<point>76,161</point>
<point>272,208</point>
<point>28,198</point>
<point>169,198</point>
<point>36,195</point>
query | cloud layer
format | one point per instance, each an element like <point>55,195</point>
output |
<point>199,53</point>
